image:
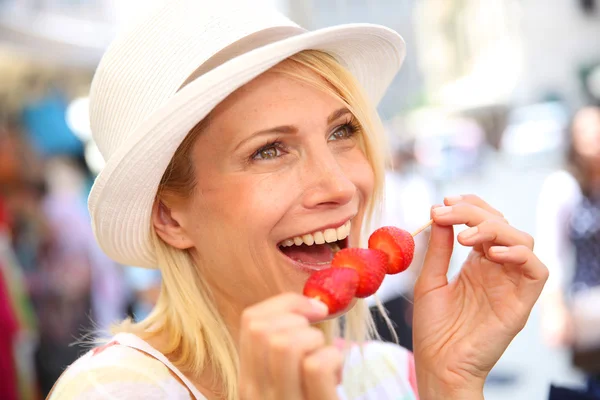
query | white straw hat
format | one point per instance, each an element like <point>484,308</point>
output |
<point>167,71</point>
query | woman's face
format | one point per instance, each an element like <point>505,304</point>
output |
<point>586,133</point>
<point>278,167</point>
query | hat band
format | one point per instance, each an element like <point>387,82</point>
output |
<point>242,46</point>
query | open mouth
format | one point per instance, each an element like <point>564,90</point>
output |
<point>316,250</point>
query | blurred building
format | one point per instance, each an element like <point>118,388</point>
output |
<point>406,90</point>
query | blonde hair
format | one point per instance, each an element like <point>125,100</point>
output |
<point>185,312</point>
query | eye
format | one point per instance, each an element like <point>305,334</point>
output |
<point>267,152</point>
<point>345,131</point>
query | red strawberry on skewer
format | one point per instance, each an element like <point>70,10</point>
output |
<point>333,286</point>
<point>370,265</point>
<point>397,243</point>
<point>359,272</point>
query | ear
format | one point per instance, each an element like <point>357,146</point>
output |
<point>168,228</point>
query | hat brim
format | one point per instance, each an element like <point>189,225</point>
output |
<point>122,196</point>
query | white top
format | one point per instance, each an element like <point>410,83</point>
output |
<point>127,367</point>
<point>560,194</point>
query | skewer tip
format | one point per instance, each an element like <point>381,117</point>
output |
<point>421,229</point>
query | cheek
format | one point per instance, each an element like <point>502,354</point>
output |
<point>245,205</point>
<point>361,174</point>
<point>268,199</point>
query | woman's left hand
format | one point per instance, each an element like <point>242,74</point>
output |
<point>462,327</point>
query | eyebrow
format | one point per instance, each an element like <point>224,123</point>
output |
<point>290,129</point>
<point>337,114</point>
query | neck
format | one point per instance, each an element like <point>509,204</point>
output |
<point>593,178</point>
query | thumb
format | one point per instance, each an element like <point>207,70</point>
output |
<point>437,259</point>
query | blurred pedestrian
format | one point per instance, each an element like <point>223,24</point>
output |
<point>18,327</point>
<point>77,289</point>
<point>568,241</point>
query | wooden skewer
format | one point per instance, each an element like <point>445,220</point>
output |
<point>421,229</point>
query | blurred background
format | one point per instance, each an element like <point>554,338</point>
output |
<point>496,97</point>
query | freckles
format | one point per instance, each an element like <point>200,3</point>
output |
<point>360,172</point>
<point>270,194</point>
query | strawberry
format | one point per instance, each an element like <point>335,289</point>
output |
<point>397,243</point>
<point>333,286</point>
<point>370,265</point>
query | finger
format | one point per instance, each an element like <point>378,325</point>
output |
<point>534,272</point>
<point>254,332</point>
<point>472,199</point>
<point>253,373</point>
<point>462,213</point>
<point>321,373</point>
<point>496,232</point>
<point>277,323</point>
<point>312,309</point>
<point>437,259</point>
<point>287,352</point>
<point>257,342</point>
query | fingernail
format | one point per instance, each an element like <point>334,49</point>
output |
<point>499,249</point>
<point>453,199</point>
<point>468,233</point>
<point>442,210</point>
<point>319,306</point>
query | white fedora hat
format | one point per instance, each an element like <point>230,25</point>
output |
<point>169,69</point>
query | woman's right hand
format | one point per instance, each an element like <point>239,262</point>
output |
<point>282,356</point>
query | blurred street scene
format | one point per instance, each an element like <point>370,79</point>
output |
<point>485,103</point>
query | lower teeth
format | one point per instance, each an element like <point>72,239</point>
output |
<point>334,246</point>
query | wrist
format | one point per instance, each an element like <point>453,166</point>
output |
<point>432,387</point>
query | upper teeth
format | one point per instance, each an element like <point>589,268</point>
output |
<point>319,237</point>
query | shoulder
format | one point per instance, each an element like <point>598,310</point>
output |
<point>114,371</point>
<point>559,194</point>
<point>561,177</point>
<point>376,368</point>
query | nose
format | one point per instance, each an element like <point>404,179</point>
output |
<point>327,184</point>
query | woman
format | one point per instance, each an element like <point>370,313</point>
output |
<point>228,132</point>
<point>568,236</point>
